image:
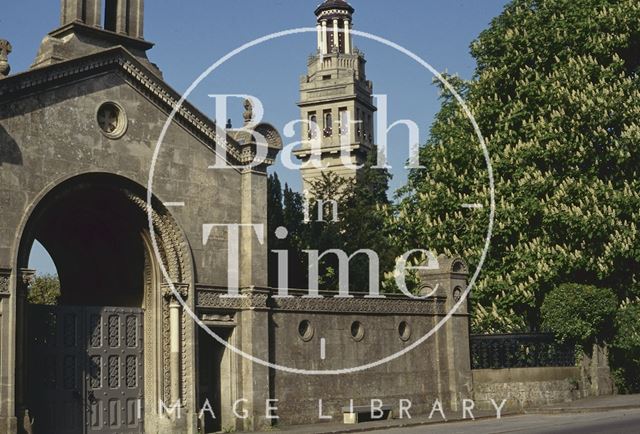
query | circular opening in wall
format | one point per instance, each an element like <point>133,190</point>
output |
<point>112,120</point>
<point>357,331</point>
<point>457,294</point>
<point>404,331</point>
<point>305,330</point>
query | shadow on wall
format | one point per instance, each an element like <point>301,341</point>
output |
<point>9,150</point>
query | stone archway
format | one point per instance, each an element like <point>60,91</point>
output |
<point>96,228</point>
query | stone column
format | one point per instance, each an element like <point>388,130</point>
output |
<point>121,17</point>
<point>450,278</point>
<point>319,29</point>
<point>72,10</point>
<point>136,18</point>
<point>325,38</point>
<point>336,33</point>
<point>93,13</point>
<point>347,36</point>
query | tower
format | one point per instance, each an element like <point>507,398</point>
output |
<point>88,26</point>
<point>336,96</point>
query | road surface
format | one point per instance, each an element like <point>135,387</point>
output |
<point>610,422</point>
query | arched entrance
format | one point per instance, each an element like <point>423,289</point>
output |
<point>95,361</point>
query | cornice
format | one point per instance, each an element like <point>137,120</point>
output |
<point>135,73</point>
<point>211,298</point>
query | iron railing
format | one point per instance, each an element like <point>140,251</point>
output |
<point>520,351</point>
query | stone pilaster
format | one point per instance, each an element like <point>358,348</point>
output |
<point>253,244</point>
<point>25,279</point>
<point>175,332</point>
<point>8,420</point>
<point>254,338</point>
<point>450,278</point>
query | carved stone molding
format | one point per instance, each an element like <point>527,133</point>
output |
<point>136,74</point>
<point>249,299</point>
<point>219,318</point>
<point>361,305</point>
<point>181,288</point>
<point>215,299</point>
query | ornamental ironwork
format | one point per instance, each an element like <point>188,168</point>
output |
<point>520,351</point>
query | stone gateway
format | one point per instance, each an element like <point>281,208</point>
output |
<point>120,353</point>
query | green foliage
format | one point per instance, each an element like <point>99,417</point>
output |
<point>44,290</point>
<point>555,95</point>
<point>362,212</point>
<point>628,327</point>
<point>625,353</point>
<point>581,314</point>
<point>285,209</point>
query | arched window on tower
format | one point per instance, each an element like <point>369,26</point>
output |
<point>328,123</point>
<point>344,122</point>
<point>313,125</point>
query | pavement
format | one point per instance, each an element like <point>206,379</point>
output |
<point>604,414</point>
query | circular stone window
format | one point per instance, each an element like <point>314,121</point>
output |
<point>404,331</point>
<point>112,120</point>
<point>357,331</point>
<point>457,294</point>
<point>305,330</point>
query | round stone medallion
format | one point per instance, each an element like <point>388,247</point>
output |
<point>112,120</point>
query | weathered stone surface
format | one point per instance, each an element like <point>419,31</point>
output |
<point>525,387</point>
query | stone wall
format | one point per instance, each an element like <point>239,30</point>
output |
<point>419,376</point>
<point>526,387</point>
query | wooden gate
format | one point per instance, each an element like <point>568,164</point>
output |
<point>85,369</point>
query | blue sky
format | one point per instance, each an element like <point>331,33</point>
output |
<point>190,35</point>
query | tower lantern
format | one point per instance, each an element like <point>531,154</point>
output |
<point>336,99</point>
<point>334,27</point>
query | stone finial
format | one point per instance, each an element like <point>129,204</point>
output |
<point>248,111</point>
<point>5,50</point>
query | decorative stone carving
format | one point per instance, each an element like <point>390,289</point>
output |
<point>248,111</point>
<point>214,299</point>
<point>250,299</point>
<point>5,50</point>
<point>28,277</point>
<point>361,305</point>
<point>181,288</point>
<point>5,279</point>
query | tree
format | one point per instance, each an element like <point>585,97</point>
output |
<point>360,224</point>
<point>44,290</point>
<point>555,94</point>
<point>285,209</point>
<point>626,347</point>
<point>580,314</point>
